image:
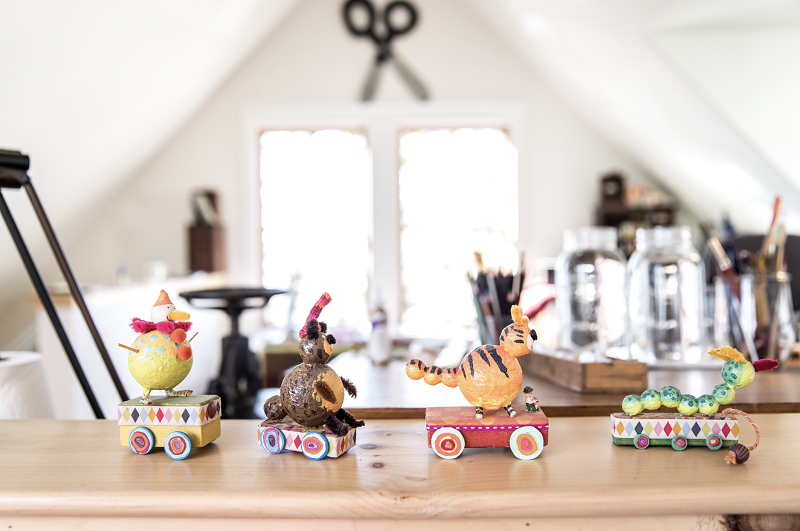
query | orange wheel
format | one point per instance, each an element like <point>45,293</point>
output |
<point>526,443</point>
<point>448,443</point>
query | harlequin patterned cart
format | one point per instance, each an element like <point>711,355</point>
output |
<point>451,429</point>
<point>674,429</point>
<point>314,443</point>
<point>175,423</point>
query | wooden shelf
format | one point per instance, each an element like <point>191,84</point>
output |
<point>65,473</point>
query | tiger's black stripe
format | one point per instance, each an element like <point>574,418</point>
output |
<point>463,371</point>
<point>483,355</point>
<point>471,368</point>
<point>496,357</point>
<point>519,341</point>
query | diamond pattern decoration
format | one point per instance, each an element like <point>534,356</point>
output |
<point>735,430</point>
<point>126,415</point>
<point>706,429</point>
<point>638,429</point>
<point>667,429</point>
<point>194,415</point>
<point>135,415</point>
<point>726,429</point>
<point>185,416</point>
<point>658,429</point>
<point>160,415</point>
<point>151,415</point>
<point>620,428</point>
<point>628,429</point>
<point>648,429</point>
<point>696,429</point>
<point>676,429</point>
<point>715,429</point>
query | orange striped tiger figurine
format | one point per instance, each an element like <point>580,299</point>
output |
<point>490,376</point>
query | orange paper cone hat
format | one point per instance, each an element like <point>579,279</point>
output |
<point>163,299</point>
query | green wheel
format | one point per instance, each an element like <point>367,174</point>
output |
<point>641,441</point>
<point>714,442</point>
<point>680,443</point>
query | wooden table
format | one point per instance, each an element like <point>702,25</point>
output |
<point>61,475</point>
<point>386,391</point>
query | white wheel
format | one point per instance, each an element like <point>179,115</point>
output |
<point>447,443</point>
<point>526,443</point>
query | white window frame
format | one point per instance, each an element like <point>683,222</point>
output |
<point>382,123</point>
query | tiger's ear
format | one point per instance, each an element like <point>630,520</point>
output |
<point>518,317</point>
<point>728,353</point>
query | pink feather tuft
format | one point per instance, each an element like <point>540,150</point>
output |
<point>165,327</point>
<point>765,365</point>
<point>183,325</point>
<point>140,326</point>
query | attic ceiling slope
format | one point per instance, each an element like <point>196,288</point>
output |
<point>91,89</point>
<point>598,57</point>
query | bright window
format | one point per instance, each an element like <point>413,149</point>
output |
<point>458,195</point>
<point>315,219</point>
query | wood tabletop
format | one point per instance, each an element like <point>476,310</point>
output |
<point>386,391</point>
<point>78,469</point>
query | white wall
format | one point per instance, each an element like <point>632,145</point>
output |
<point>311,60</point>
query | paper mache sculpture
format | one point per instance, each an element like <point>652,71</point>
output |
<point>311,396</point>
<point>489,377</point>
<point>160,358</point>
<point>696,423</point>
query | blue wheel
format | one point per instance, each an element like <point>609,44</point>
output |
<point>315,446</point>
<point>273,440</point>
<point>177,445</point>
<point>141,440</point>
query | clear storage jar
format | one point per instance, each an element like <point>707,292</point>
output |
<point>590,293</point>
<point>666,297</point>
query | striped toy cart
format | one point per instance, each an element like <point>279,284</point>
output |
<point>314,443</point>
<point>176,423</point>
<point>675,430</point>
<point>452,429</point>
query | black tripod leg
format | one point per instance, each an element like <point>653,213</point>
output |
<point>49,307</point>
<point>74,287</point>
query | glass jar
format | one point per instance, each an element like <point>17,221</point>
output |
<point>666,297</point>
<point>590,293</point>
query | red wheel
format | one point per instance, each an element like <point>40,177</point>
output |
<point>447,443</point>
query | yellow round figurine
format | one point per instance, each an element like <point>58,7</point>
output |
<point>490,376</point>
<point>161,357</point>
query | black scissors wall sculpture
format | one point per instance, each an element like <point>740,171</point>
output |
<point>384,41</point>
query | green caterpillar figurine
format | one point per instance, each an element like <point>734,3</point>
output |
<point>737,373</point>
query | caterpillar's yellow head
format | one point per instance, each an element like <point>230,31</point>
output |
<point>517,339</point>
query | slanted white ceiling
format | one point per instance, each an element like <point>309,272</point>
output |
<point>601,57</point>
<point>91,89</point>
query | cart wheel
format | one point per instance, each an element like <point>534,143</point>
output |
<point>679,443</point>
<point>526,443</point>
<point>714,442</point>
<point>141,440</point>
<point>315,445</point>
<point>447,443</point>
<point>178,445</point>
<point>273,440</point>
<point>641,441</point>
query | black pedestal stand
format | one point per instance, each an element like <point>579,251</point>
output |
<point>239,377</point>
